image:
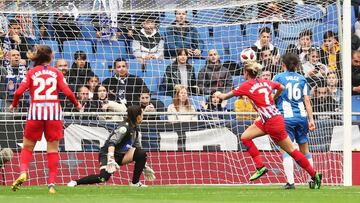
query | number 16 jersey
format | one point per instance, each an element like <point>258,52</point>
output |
<point>44,83</point>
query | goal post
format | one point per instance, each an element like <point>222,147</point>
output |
<point>198,147</point>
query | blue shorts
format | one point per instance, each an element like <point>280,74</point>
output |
<point>297,129</point>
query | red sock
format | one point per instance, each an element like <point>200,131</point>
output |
<point>303,162</point>
<point>53,160</point>
<point>25,158</point>
<point>254,152</point>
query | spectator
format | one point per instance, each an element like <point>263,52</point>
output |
<point>11,76</point>
<point>214,76</point>
<point>332,83</point>
<point>14,39</point>
<point>43,31</point>
<point>180,72</point>
<point>265,40</point>
<point>265,74</point>
<point>305,43</point>
<point>314,71</point>
<point>62,65</point>
<point>355,67</point>
<point>181,104</point>
<point>92,83</point>
<point>3,20</point>
<point>124,87</point>
<point>181,35</point>
<point>330,52</point>
<point>80,71</point>
<point>83,97</point>
<point>65,28</point>
<point>148,44</point>
<point>244,105</point>
<point>100,103</point>
<point>149,105</point>
<point>213,104</point>
<point>268,60</point>
<point>323,102</point>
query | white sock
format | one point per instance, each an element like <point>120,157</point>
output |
<point>288,164</point>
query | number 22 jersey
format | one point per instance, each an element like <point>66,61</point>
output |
<point>44,83</point>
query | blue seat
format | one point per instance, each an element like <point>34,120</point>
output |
<point>332,14</point>
<point>319,30</point>
<point>152,83</point>
<point>88,32</point>
<point>355,100</point>
<point>135,67</point>
<point>237,80</point>
<point>102,69</point>
<point>219,46</point>
<point>198,64</point>
<point>307,11</point>
<point>54,47</point>
<point>167,100</point>
<point>156,67</point>
<point>70,47</point>
<point>111,50</point>
<point>169,17</point>
<point>292,31</point>
<point>209,16</point>
<point>196,101</point>
<point>203,33</point>
<point>227,33</point>
<point>252,31</point>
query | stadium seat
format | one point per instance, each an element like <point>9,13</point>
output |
<point>88,32</point>
<point>229,33</point>
<point>207,16</point>
<point>198,64</point>
<point>308,12</point>
<point>196,101</point>
<point>167,100</point>
<point>135,67</point>
<point>319,30</point>
<point>203,33</point>
<point>169,17</point>
<point>291,31</point>
<point>152,83</point>
<point>156,67</point>
<point>219,46</point>
<point>70,47</point>
<point>332,14</point>
<point>237,80</point>
<point>356,106</point>
<point>111,50</point>
<point>102,69</point>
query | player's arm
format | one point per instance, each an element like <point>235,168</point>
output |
<point>25,84</point>
<point>309,111</point>
<point>224,96</point>
<point>279,90</point>
<point>115,137</point>
<point>67,91</point>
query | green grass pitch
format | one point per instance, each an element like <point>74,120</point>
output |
<point>177,194</point>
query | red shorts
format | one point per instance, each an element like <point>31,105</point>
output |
<point>53,130</point>
<point>274,127</point>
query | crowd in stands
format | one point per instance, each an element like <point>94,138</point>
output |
<point>183,79</point>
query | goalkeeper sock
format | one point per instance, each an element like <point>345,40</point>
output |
<point>140,160</point>
<point>303,162</point>
<point>53,160</point>
<point>254,152</point>
<point>25,158</point>
<point>288,164</point>
<point>92,179</point>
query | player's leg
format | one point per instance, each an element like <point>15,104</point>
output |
<point>32,133</point>
<point>300,158</point>
<point>139,156</point>
<point>288,162</point>
<point>53,134</point>
<point>250,133</point>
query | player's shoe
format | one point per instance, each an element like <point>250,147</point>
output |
<point>18,182</point>
<point>72,183</point>
<point>259,173</point>
<point>51,188</point>
<point>289,186</point>
<point>138,184</point>
<point>311,184</point>
<point>316,181</point>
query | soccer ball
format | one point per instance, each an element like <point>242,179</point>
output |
<point>247,55</point>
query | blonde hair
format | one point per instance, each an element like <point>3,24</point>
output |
<point>41,54</point>
<point>253,68</point>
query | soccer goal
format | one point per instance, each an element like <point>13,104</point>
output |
<point>89,38</point>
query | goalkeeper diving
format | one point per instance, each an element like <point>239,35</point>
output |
<point>122,147</point>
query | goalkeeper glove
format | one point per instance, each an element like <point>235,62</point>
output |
<point>149,174</point>
<point>111,166</point>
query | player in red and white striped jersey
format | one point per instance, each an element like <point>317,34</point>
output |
<point>271,122</point>
<point>45,114</point>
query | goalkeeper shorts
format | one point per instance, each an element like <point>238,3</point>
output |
<point>53,130</point>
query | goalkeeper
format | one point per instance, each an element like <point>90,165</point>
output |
<point>122,147</point>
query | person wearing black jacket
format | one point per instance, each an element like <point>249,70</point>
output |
<point>65,28</point>
<point>124,87</point>
<point>80,71</point>
<point>180,72</point>
<point>122,147</point>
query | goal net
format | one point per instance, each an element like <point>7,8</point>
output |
<point>129,47</point>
